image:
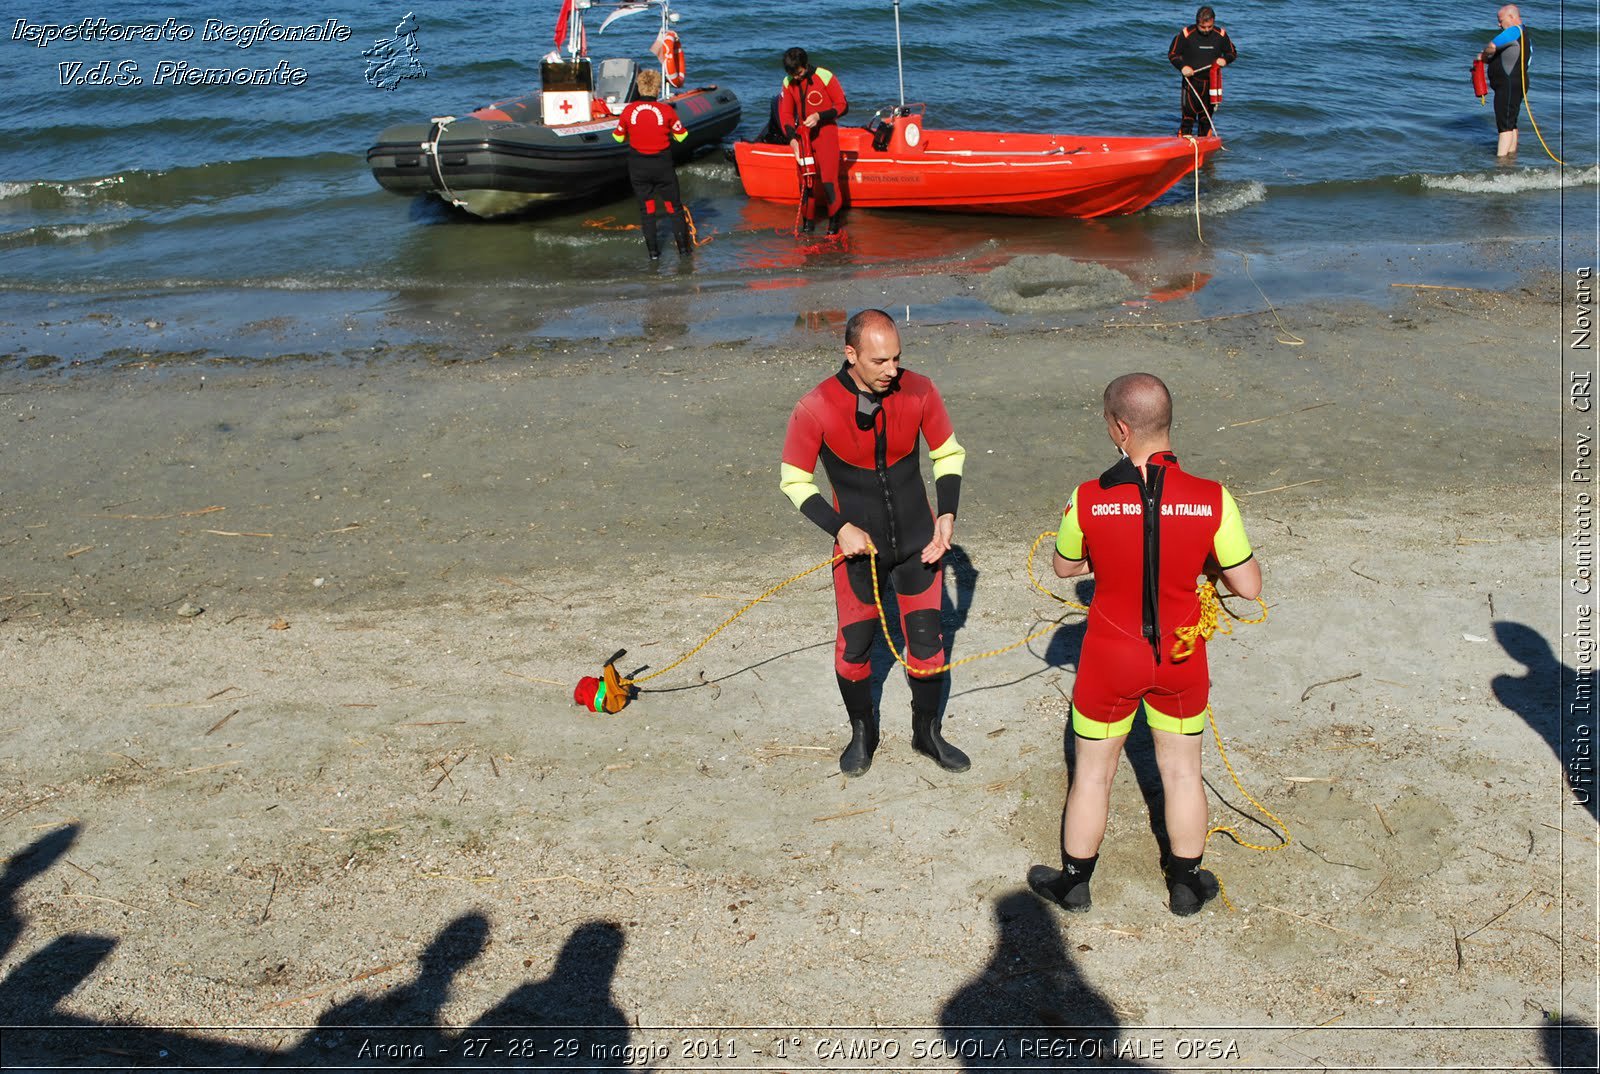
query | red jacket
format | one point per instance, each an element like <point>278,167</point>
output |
<point>649,126</point>
<point>818,90</point>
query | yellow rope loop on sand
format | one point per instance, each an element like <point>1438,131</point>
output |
<point>830,561</point>
<point>1282,832</point>
<point>883,621</point>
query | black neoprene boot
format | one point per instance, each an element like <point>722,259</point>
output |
<point>1067,887</point>
<point>925,736</point>
<point>857,756</point>
<point>1189,887</point>
<point>835,222</point>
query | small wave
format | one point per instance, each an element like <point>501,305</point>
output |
<point>45,233</point>
<point>1514,182</point>
<point>1218,202</point>
<point>64,190</point>
<point>176,186</point>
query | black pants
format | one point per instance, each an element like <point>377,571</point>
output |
<point>655,184</point>
<point>1507,101</point>
<point>1196,89</point>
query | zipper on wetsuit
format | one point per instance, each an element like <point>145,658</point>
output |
<point>1150,495</point>
<point>880,458</point>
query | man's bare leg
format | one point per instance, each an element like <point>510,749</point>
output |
<point>1178,758</point>
<point>1089,797</point>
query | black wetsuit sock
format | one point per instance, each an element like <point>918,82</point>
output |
<point>1189,887</point>
<point>1068,888</point>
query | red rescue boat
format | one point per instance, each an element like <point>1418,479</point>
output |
<point>901,163</point>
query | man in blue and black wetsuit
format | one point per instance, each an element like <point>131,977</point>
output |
<point>1506,58</point>
<point>864,423</point>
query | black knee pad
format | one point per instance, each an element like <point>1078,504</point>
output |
<point>859,574</point>
<point>923,638</point>
<point>858,640</point>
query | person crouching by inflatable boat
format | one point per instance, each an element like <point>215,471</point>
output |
<point>810,106</point>
<point>649,127</point>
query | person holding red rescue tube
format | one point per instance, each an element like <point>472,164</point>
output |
<point>1195,51</point>
<point>864,422</point>
<point>649,127</point>
<point>1147,529</point>
<point>1507,59</point>
<point>810,106</point>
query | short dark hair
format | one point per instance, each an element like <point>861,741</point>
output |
<point>858,324</point>
<point>795,62</point>
<point>1205,13</point>
<point>1141,400</point>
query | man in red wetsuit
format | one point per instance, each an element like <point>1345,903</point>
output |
<point>864,422</point>
<point>1147,530</point>
<point>1194,51</point>
<point>649,127</point>
<point>809,108</point>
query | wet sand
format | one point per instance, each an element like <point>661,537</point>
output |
<point>354,790</point>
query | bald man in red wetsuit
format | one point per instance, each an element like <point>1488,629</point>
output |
<point>865,423</point>
<point>1147,529</point>
<point>810,106</point>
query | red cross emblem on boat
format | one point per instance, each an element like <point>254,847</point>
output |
<point>566,106</point>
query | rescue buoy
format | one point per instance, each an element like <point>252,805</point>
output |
<point>668,48</point>
<point>1480,80</point>
<point>608,692</point>
<point>1216,86</point>
<point>804,158</point>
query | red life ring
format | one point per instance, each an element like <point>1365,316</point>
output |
<point>669,50</point>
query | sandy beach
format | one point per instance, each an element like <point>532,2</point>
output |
<point>289,746</point>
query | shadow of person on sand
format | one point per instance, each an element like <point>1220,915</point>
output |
<point>1568,1044</point>
<point>35,987</point>
<point>413,1008</point>
<point>1538,697</point>
<point>570,1015</point>
<point>567,1020</point>
<point>33,992</point>
<point>1030,1007</point>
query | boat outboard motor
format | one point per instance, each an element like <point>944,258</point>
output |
<point>905,132</point>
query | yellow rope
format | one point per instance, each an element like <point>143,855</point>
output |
<point>1527,54</point>
<point>830,561</point>
<point>1210,623</point>
<point>1232,833</point>
<point>694,233</point>
<point>883,620</point>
